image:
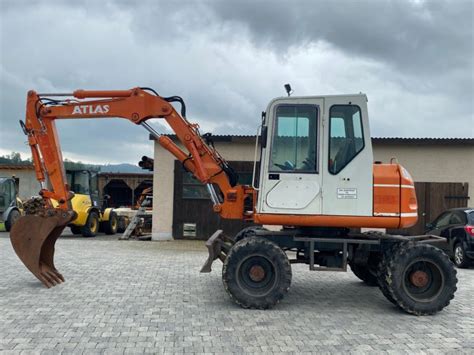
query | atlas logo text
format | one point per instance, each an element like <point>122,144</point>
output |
<point>90,109</point>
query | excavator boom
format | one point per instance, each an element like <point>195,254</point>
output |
<point>138,105</point>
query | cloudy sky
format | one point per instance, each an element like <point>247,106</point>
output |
<point>227,59</point>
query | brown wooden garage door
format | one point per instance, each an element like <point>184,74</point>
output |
<point>192,205</point>
<point>434,198</point>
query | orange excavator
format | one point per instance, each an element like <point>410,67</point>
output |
<point>317,180</point>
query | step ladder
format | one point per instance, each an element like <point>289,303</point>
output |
<point>133,223</point>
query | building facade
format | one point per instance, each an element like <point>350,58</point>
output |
<point>441,167</point>
<point>25,179</point>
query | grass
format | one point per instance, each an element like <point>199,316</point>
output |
<point>2,227</point>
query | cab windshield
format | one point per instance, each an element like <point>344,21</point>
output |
<point>79,182</point>
<point>6,193</point>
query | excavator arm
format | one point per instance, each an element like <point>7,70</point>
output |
<point>137,105</point>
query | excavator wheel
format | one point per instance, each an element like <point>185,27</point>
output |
<point>365,273</point>
<point>382,272</point>
<point>256,273</point>
<point>364,264</point>
<point>248,232</point>
<point>91,227</point>
<point>420,278</point>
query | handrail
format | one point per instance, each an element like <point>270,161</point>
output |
<point>259,130</point>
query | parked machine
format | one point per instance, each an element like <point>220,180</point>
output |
<point>11,207</point>
<point>142,210</point>
<point>316,179</point>
<point>92,216</point>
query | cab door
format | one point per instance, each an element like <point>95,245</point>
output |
<point>290,179</point>
<point>348,158</point>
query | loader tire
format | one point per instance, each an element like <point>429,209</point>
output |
<point>421,279</point>
<point>365,273</point>
<point>110,226</point>
<point>122,224</point>
<point>91,227</point>
<point>76,230</point>
<point>256,273</point>
<point>13,216</point>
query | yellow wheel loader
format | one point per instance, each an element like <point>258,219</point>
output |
<point>11,207</point>
<point>92,217</point>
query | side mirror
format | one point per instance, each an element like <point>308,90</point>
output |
<point>429,225</point>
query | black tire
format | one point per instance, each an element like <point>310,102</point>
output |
<point>248,232</point>
<point>122,224</point>
<point>382,272</point>
<point>421,279</point>
<point>76,230</point>
<point>460,258</point>
<point>13,216</point>
<point>110,226</point>
<point>91,227</point>
<point>365,273</point>
<point>256,273</point>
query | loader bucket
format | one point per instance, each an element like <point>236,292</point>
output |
<point>33,238</point>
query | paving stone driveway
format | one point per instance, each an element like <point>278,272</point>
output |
<point>135,297</point>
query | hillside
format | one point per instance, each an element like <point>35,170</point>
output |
<point>15,159</point>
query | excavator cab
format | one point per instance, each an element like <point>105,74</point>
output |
<point>311,140</point>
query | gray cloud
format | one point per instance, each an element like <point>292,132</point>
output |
<point>414,59</point>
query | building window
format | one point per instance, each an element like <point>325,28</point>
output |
<point>346,138</point>
<point>294,139</point>
<point>193,189</point>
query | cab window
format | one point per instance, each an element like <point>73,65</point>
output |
<point>346,138</point>
<point>294,143</point>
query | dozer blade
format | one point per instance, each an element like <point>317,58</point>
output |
<point>33,238</point>
<point>218,246</point>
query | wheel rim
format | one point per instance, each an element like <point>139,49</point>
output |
<point>423,280</point>
<point>256,275</point>
<point>114,223</point>
<point>458,255</point>
<point>93,225</point>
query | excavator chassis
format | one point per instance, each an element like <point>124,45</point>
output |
<point>411,273</point>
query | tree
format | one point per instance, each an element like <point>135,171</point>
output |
<point>15,157</point>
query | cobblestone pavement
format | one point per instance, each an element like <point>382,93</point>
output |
<point>135,297</point>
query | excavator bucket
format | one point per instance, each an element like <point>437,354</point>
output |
<point>33,238</point>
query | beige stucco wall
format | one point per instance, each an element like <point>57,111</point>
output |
<point>28,185</point>
<point>432,163</point>
<point>426,162</point>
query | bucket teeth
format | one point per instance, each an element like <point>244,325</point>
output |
<point>33,238</point>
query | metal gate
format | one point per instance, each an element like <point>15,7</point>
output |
<point>434,198</point>
<point>193,216</point>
